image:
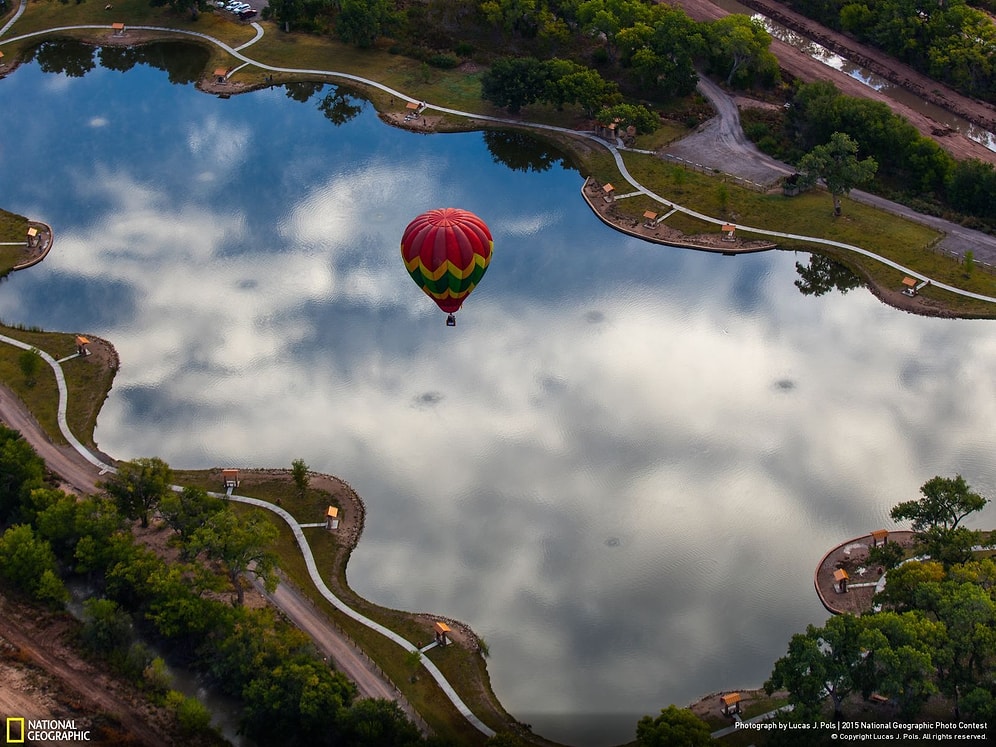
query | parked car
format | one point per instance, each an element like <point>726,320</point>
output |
<point>245,15</point>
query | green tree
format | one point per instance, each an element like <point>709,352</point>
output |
<point>585,87</point>
<point>360,22</point>
<point>139,486</point>
<point>188,510</point>
<point>837,164</point>
<point>903,582</point>
<point>191,7</point>
<point>965,656</point>
<point>99,527</point>
<point>106,627</point>
<point>820,662</point>
<point>30,362</point>
<point>21,470</point>
<point>299,473</point>
<point>175,602</point>
<point>674,727</point>
<point>55,520</point>
<point>378,723</point>
<point>639,116</point>
<point>936,518</point>
<point>242,546</point>
<point>514,82</point>
<point>740,47</point>
<point>192,716</point>
<point>945,502</point>
<point>27,562</point>
<point>898,661</point>
<point>296,703</point>
<point>888,555</point>
<point>255,642</point>
<point>413,661</point>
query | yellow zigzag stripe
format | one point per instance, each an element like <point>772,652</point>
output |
<point>448,268</point>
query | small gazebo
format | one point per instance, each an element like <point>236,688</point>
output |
<point>118,28</point>
<point>331,518</point>
<point>608,192</point>
<point>81,345</point>
<point>230,478</point>
<point>879,535</point>
<point>841,578</point>
<point>442,630</point>
<point>909,286</point>
<point>730,703</point>
<point>729,229</point>
<point>221,75</point>
<point>32,236</point>
<point>649,218</point>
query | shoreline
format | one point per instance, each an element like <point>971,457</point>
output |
<point>430,123</point>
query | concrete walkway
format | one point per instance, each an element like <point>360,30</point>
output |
<point>302,542</point>
<point>718,734</point>
<point>611,147</point>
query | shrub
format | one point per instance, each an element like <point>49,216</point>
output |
<point>444,61</point>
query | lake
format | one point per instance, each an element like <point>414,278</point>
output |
<point>620,468</point>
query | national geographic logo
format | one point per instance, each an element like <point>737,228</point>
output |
<point>20,730</point>
<point>15,731</point>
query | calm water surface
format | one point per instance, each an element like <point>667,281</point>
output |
<point>621,468</point>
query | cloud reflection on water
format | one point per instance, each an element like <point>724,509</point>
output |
<point>595,389</point>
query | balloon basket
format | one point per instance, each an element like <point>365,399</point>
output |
<point>450,321</point>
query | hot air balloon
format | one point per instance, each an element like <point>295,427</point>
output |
<point>447,251</point>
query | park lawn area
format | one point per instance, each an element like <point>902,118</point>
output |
<point>905,242</point>
<point>51,14</point>
<point>13,227</point>
<point>465,670</point>
<point>87,384</point>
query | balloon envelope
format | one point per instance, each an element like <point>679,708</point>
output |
<point>447,251</point>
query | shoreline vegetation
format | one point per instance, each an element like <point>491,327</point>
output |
<point>899,240</point>
<point>463,663</point>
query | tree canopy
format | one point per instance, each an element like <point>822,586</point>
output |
<point>139,486</point>
<point>242,545</point>
<point>936,518</point>
<point>673,727</point>
<point>837,164</point>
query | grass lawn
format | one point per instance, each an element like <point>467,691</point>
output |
<point>87,384</point>
<point>908,243</point>
<point>13,227</point>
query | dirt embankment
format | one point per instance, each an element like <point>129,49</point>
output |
<point>43,677</point>
<point>800,65</point>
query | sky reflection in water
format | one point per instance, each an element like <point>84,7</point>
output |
<point>621,467</point>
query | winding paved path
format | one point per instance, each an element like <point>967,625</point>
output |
<point>302,541</point>
<point>727,127</point>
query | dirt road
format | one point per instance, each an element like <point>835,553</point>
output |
<point>68,686</point>
<point>348,659</point>
<point>800,65</point>
<point>76,473</point>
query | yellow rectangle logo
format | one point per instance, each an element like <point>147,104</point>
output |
<point>15,735</point>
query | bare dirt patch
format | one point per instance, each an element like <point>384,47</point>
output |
<point>43,677</point>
